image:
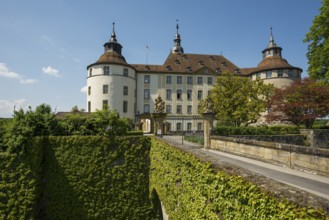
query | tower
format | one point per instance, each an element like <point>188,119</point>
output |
<point>177,46</point>
<point>111,81</point>
<point>273,68</point>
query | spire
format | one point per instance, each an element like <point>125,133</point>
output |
<point>272,48</point>
<point>112,44</point>
<point>272,43</point>
<point>113,36</point>
<point>177,47</point>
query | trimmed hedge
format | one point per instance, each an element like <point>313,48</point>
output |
<point>96,178</point>
<point>77,178</point>
<point>260,130</point>
<point>191,189</point>
<point>20,184</point>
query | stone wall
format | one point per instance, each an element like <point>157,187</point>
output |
<point>285,139</point>
<point>315,160</point>
<point>316,137</point>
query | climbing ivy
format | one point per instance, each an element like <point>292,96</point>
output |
<point>191,189</point>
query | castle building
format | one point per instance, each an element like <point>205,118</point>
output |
<point>182,81</point>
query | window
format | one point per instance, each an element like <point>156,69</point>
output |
<point>199,126</point>
<point>200,95</point>
<point>258,75</point>
<point>106,70</point>
<point>105,89</point>
<point>290,73</point>
<point>168,79</point>
<point>189,126</point>
<point>200,80</point>
<point>179,109</point>
<point>189,109</point>
<point>146,108</point>
<point>89,90</point>
<point>146,78</point>
<point>268,74</point>
<point>168,108</point>
<point>179,94</point>
<point>89,106</point>
<point>189,80</point>
<point>178,126</point>
<point>125,71</point>
<point>168,94</point>
<point>269,110</point>
<point>125,106</point>
<point>280,73</point>
<point>125,90</point>
<point>179,79</point>
<point>189,94</point>
<point>105,104</point>
<point>210,80</point>
<point>90,72</point>
<point>146,94</point>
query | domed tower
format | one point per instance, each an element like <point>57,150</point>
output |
<point>111,81</point>
<point>177,47</point>
<point>274,69</point>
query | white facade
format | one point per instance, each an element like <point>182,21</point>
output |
<point>115,89</point>
<point>182,81</point>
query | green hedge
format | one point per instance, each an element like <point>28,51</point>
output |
<point>260,130</point>
<point>96,178</point>
<point>20,184</point>
<point>191,189</point>
<point>77,178</point>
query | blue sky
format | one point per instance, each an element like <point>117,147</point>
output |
<point>45,45</point>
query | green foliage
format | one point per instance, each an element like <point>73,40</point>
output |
<point>239,100</point>
<point>77,178</point>
<point>96,178</point>
<point>20,184</point>
<point>25,125</point>
<point>191,189</point>
<point>194,138</point>
<point>318,48</point>
<point>260,130</point>
<point>102,122</point>
<point>133,133</point>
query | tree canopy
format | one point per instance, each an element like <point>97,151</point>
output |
<point>300,103</point>
<point>318,48</point>
<point>238,100</point>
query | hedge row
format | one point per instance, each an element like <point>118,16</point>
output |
<point>260,130</point>
<point>81,178</point>
<point>20,184</point>
<point>191,189</point>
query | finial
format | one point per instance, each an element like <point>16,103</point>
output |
<point>113,37</point>
<point>177,26</point>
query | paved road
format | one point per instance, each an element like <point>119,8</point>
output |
<point>315,184</point>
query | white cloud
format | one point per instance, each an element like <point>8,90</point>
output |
<point>7,107</point>
<point>4,72</point>
<point>84,89</point>
<point>49,41</point>
<point>50,71</point>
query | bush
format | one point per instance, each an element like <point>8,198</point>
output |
<point>260,130</point>
<point>195,139</point>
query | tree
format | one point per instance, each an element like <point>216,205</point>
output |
<point>25,125</point>
<point>318,48</point>
<point>300,103</point>
<point>238,100</point>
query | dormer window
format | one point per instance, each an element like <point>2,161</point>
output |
<point>201,63</point>
<point>147,67</point>
<point>211,58</point>
<point>177,62</point>
<point>218,70</point>
<point>237,71</point>
<point>168,68</point>
<point>224,63</point>
<point>189,69</point>
<point>185,57</point>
